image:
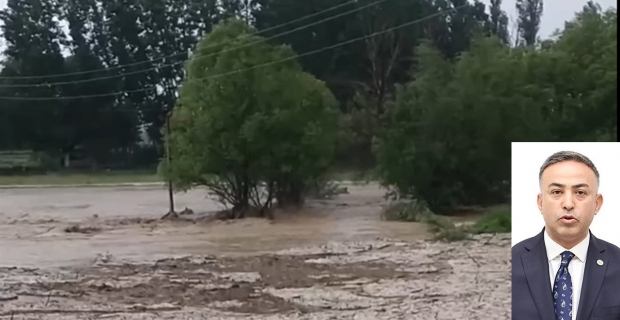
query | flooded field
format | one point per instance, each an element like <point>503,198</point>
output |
<point>102,253</point>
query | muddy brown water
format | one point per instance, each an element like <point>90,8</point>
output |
<point>334,259</point>
<point>32,223</point>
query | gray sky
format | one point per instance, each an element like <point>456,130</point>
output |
<point>555,13</point>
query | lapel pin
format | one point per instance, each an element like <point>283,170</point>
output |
<point>599,262</point>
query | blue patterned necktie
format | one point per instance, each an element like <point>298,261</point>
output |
<point>563,290</point>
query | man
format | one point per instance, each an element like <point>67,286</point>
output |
<point>565,272</point>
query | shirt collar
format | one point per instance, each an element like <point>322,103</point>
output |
<point>554,249</point>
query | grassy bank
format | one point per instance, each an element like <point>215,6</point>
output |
<point>82,178</point>
<point>495,219</point>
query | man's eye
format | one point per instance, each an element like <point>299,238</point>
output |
<point>581,193</point>
<point>555,192</point>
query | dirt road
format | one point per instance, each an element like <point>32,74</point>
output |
<point>335,259</point>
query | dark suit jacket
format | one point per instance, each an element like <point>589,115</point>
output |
<point>531,286</point>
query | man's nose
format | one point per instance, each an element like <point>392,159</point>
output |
<point>568,203</point>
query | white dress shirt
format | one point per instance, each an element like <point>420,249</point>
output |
<point>576,266</point>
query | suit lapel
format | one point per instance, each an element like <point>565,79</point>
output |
<point>536,267</point>
<point>592,278</point>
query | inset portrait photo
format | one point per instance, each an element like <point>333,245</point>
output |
<point>565,203</point>
<point>527,160</point>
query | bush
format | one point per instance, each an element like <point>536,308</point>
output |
<point>497,220</point>
<point>494,220</point>
<point>416,211</point>
<point>409,211</point>
<point>252,136</point>
<point>448,141</point>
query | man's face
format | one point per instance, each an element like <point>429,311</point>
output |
<point>569,201</point>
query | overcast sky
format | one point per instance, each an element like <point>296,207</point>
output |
<point>556,12</point>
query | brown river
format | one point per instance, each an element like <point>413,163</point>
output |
<point>333,259</point>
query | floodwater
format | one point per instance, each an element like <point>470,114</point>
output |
<point>95,253</point>
<point>32,223</point>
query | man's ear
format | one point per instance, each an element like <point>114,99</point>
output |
<point>539,201</point>
<point>598,203</point>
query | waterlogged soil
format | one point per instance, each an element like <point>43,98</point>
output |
<point>102,253</point>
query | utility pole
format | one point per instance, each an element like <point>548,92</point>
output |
<point>171,213</point>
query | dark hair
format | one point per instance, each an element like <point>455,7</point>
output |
<point>568,156</point>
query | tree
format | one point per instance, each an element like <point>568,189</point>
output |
<point>13,130</point>
<point>173,28</point>
<point>143,43</point>
<point>586,49</point>
<point>398,156</point>
<point>449,139</point>
<point>234,130</point>
<point>94,124</point>
<point>383,59</point>
<point>530,13</point>
<point>498,23</point>
<point>33,42</point>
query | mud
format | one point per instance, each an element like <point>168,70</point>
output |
<point>103,254</point>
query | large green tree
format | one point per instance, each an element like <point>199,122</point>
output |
<point>448,141</point>
<point>498,21</point>
<point>173,28</point>
<point>584,110</point>
<point>95,124</point>
<point>156,36</point>
<point>137,46</point>
<point>33,41</point>
<point>530,12</point>
<point>235,128</point>
<point>363,74</point>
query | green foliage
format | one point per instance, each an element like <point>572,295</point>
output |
<point>441,227</point>
<point>450,233</point>
<point>138,33</point>
<point>273,124</point>
<point>356,130</point>
<point>496,220</point>
<point>530,12</point>
<point>448,139</point>
<point>498,21</point>
<point>586,50</point>
<point>437,120</point>
<point>98,34</point>
<point>414,211</point>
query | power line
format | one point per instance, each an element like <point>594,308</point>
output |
<point>38,85</point>
<point>181,53</point>
<point>406,24</point>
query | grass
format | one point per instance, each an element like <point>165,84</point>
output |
<point>494,219</point>
<point>82,178</point>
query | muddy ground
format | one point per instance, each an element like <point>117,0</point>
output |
<point>101,253</point>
